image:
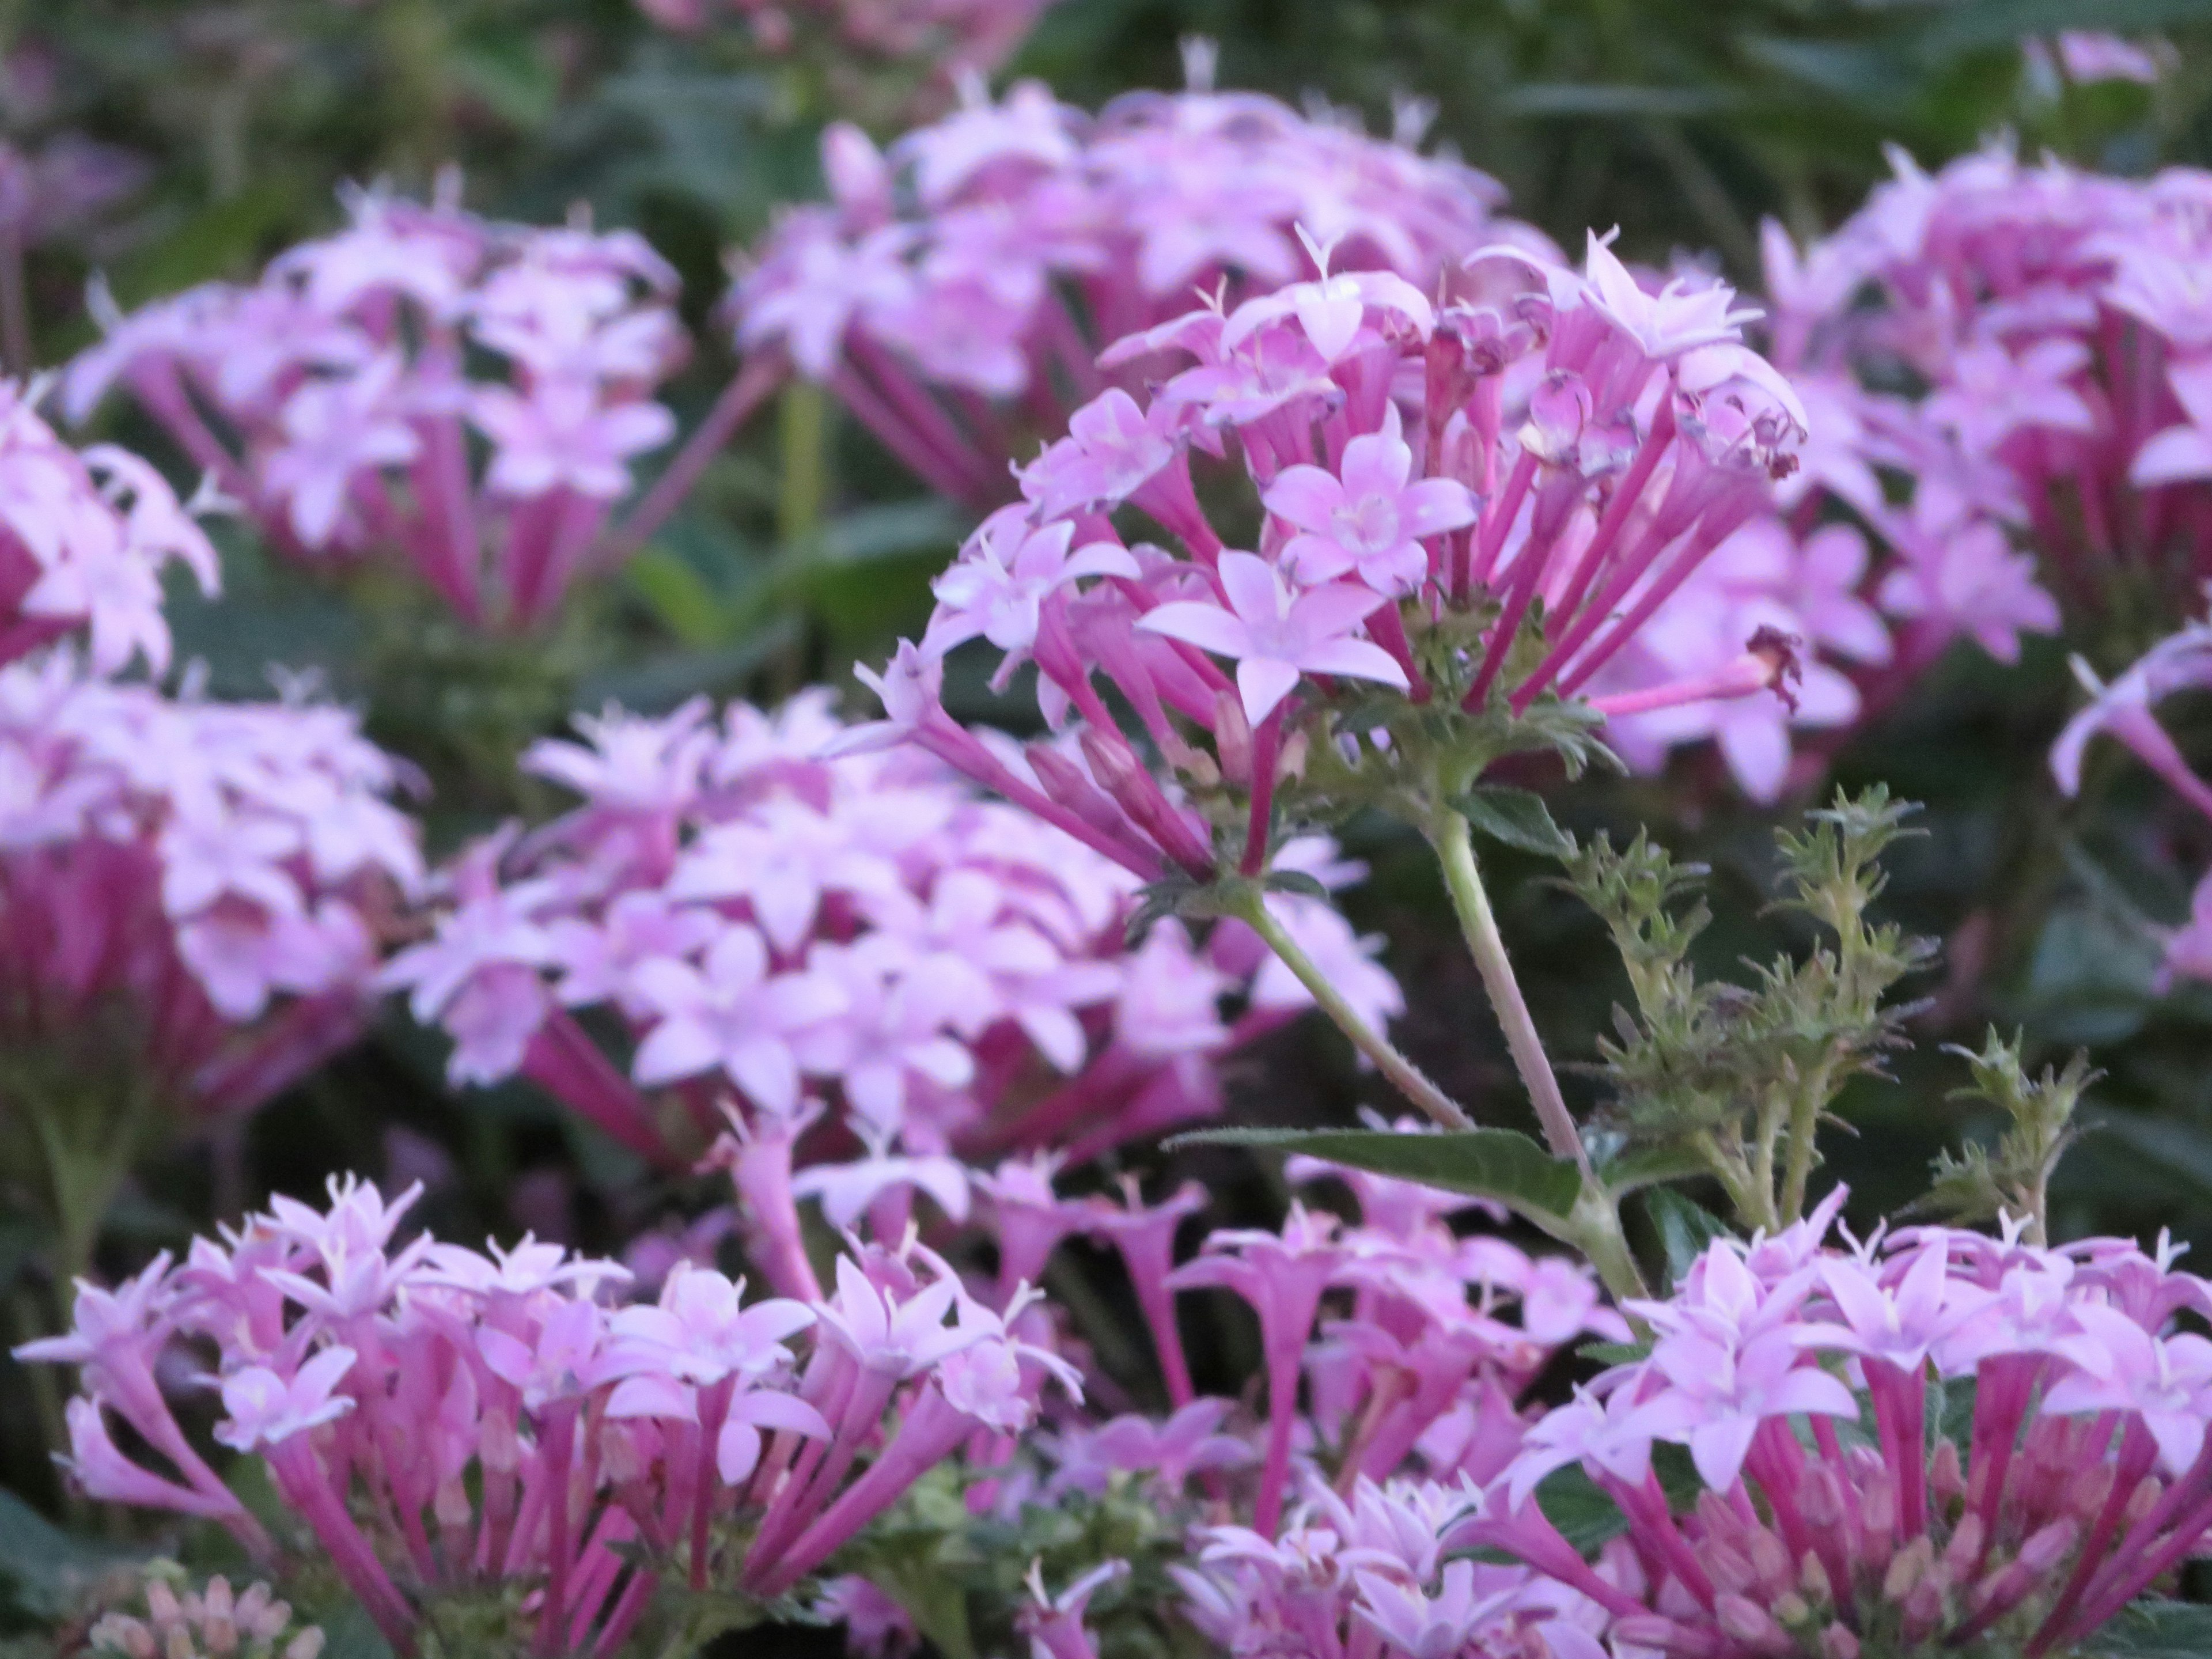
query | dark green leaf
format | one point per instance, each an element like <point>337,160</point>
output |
<point>1495,1164</point>
<point>1649,1166</point>
<point>44,1571</point>
<point>1586,1517</point>
<point>1295,881</point>
<point>1685,1229</point>
<point>1613,1353</point>
<point>350,1633</point>
<point>2155,1629</point>
<point>1579,1508</point>
<point>1981,24</point>
<point>1516,817</point>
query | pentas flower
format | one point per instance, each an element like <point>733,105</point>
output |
<point>342,397</point>
<point>1799,1382</point>
<point>775,908</point>
<point>2058,322</point>
<point>1479,506</point>
<point>955,284</point>
<point>85,536</point>
<point>442,1420</point>
<point>197,891</point>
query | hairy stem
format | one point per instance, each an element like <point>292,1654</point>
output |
<point>1408,1077</point>
<point>1454,845</point>
<point>1804,1123</point>
<point>1595,1229</point>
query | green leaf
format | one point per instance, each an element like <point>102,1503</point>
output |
<point>1613,1354</point>
<point>1494,1163</point>
<point>1986,24</point>
<point>1516,817</point>
<point>1295,881</point>
<point>2155,1629</point>
<point>1685,1229</point>
<point>1579,1508</point>
<point>679,597</point>
<point>1649,1166</point>
<point>44,1571</point>
<point>350,1633</point>
<point>1586,1517</point>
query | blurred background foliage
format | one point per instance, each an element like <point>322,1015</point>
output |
<point>231,126</point>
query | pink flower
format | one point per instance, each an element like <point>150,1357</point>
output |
<point>1274,637</point>
<point>264,1408</point>
<point>1005,573</point>
<point>734,1014</point>
<point>1369,519</point>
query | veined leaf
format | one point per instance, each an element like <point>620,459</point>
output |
<point>1685,1229</point>
<point>1516,817</point>
<point>1493,1163</point>
<point>1649,1166</point>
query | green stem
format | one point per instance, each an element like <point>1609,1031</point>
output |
<point>1595,1229</point>
<point>1804,1124</point>
<point>1408,1077</point>
<point>1454,845</point>
<point>802,426</point>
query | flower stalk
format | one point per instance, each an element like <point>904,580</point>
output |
<point>1409,1079</point>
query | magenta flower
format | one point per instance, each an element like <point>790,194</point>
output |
<point>611,1449</point>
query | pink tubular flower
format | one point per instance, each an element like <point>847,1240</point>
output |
<point>217,875</point>
<point>2058,322</point>
<point>1528,474</point>
<point>1036,238</point>
<point>1825,1523</point>
<point>769,907</point>
<point>442,1421</point>
<point>84,538</point>
<point>338,398</point>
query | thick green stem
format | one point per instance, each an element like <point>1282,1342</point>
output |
<point>1408,1077</point>
<point>1454,845</point>
<point>1596,1231</point>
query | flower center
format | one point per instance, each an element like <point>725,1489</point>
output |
<point>1368,524</point>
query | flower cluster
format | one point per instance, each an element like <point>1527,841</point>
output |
<point>1999,354</point>
<point>1938,1440</point>
<point>340,397</point>
<point>200,886</point>
<point>446,1422</point>
<point>1396,1354</point>
<point>213,1622</point>
<point>957,290</point>
<point>958,36</point>
<point>766,917</point>
<point>84,538</point>
<point>1475,506</point>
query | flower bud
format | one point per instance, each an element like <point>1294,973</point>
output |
<point>1749,1623</point>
